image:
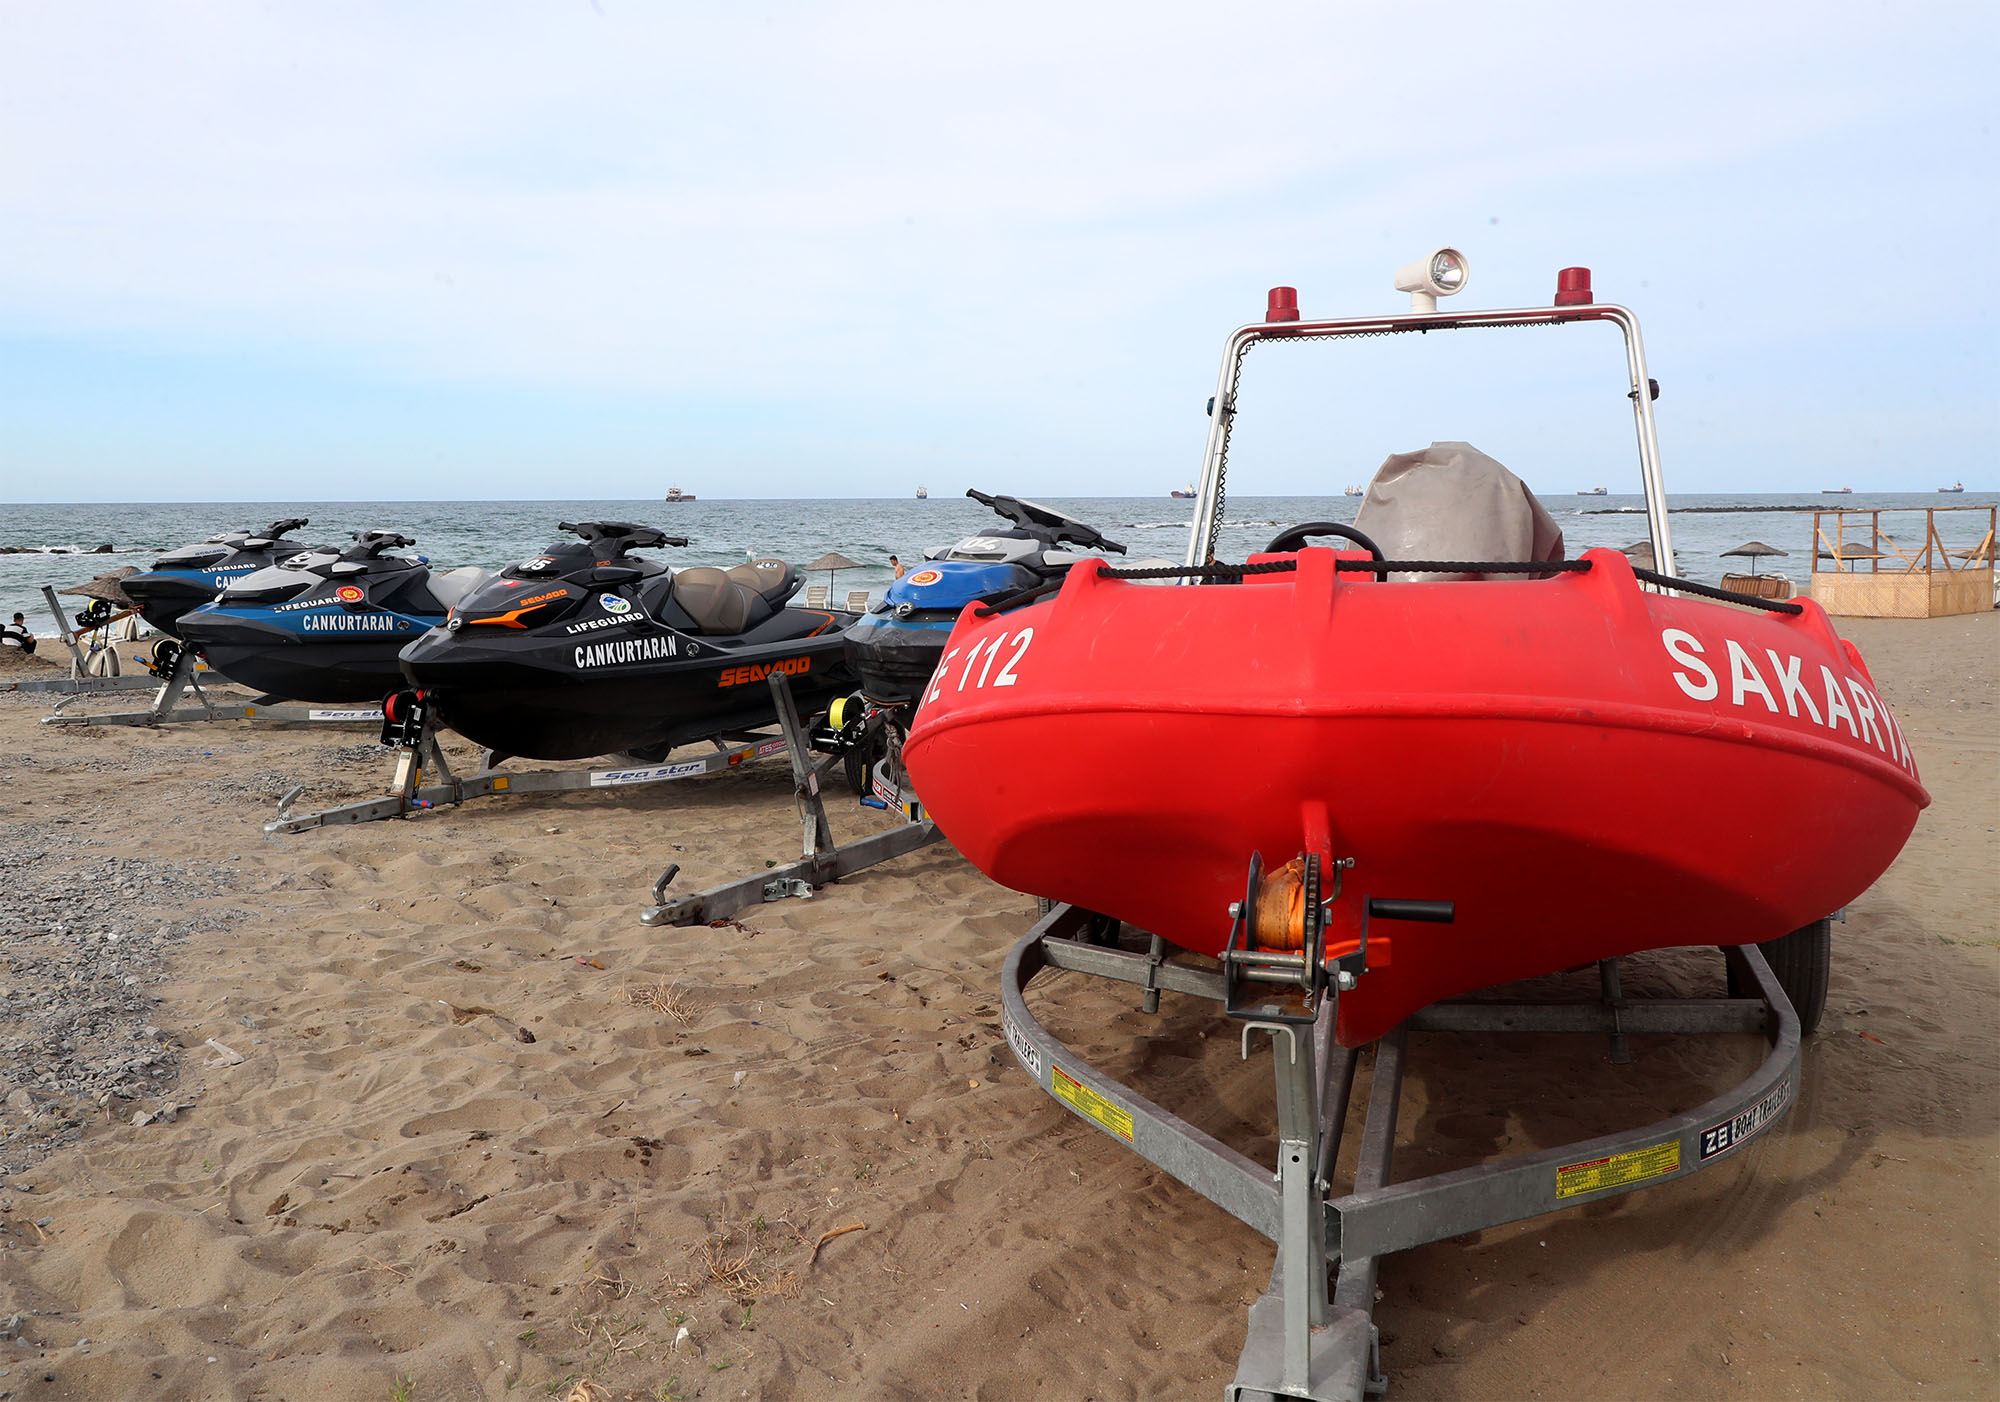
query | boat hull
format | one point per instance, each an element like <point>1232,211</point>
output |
<point>1584,769</point>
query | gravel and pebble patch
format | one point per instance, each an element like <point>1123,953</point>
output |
<point>85,937</point>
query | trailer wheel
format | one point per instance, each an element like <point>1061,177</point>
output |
<point>1803,963</point>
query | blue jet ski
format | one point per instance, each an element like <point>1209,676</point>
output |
<point>323,625</point>
<point>897,645</point>
<point>192,575</point>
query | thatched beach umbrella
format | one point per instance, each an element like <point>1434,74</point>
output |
<point>1755,550</point>
<point>1853,550</point>
<point>831,561</point>
<point>106,587</point>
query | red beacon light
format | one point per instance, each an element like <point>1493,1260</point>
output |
<point>1282,304</point>
<point>1573,288</point>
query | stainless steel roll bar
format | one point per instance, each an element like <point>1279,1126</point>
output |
<point>1222,410</point>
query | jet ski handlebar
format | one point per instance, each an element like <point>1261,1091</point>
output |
<point>1049,525</point>
<point>278,528</point>
<point>624,535</point>
<point>369,544</point>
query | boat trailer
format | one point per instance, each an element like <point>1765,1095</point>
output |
<point>410,726</point>
<point>821,860</point>
<point>1312,1334</point>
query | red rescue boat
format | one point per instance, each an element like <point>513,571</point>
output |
<point>1558,755</point>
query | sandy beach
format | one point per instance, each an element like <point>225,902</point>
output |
<point>419,1110</point>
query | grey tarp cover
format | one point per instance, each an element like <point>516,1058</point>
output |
<point>1452,502</point>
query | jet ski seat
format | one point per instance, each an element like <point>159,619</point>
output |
<point>725,602</point>
<point>775,580</point>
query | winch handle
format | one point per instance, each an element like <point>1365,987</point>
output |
<point>1430,912</point>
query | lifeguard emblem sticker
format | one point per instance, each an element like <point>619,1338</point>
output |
<point>1618,1170</point>
<point>926,577</point>
<point>348,594</point>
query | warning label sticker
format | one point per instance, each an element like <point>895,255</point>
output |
<point>1089,1104</point>
<point>1619,1170</point>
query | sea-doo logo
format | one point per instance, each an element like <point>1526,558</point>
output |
<point>348,594</point>
<point>543,598</point>
<point>926,577</point>
<point>627,650</point>
<point>591,625</point>
<point>757,671</point>
<point>355,623</point>
<point>614,603</point>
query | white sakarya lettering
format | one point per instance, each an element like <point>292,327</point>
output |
<point>614,654</point>
<point>1788,682</point>
<point>1835,705</point>
<point>1686,649</point>
<point>1847,701</point>
<point>1864,712</point>
<point>353,623</point>
<point>1744,678</point>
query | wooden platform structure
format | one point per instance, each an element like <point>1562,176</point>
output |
<point>1862,570</point>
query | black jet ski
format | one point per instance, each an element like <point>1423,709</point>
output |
<point>588,650</point>
<point>326,625</point>
<point>896,645</point>
<point>191,576</point>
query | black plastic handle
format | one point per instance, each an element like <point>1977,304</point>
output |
<point>1430,912</point>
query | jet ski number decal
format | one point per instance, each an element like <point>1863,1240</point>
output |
<point>616,654</point>
<point>757,671</point>
<point>1866,720</point>
<point>977,673</point>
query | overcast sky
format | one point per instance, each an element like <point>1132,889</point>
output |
<point>505,250</point>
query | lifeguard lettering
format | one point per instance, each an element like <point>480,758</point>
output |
<point>1867,719</point>
<point>757,671</point>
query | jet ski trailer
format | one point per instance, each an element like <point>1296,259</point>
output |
<point>172,672</point>
<point>820,860</point>
<point>80,681</point>
<point>410,725</point>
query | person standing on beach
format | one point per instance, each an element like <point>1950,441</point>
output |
<point>16,634</point>
<point>894,564</point>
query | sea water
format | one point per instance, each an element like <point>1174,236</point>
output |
<point>728,532</point>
